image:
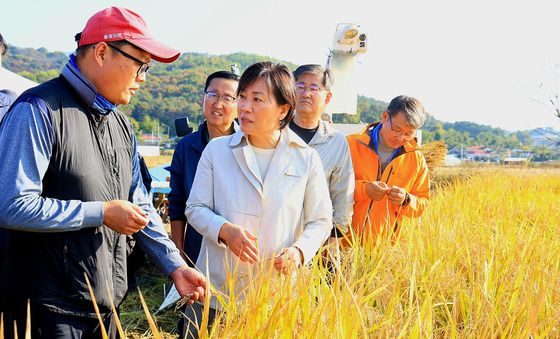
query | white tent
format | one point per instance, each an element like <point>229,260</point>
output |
<point>12,81</point>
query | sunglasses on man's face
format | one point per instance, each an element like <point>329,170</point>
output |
<point>144,67</point>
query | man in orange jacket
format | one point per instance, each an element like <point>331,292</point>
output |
<point>390,171</point>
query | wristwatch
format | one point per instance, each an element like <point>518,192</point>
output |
<point>406,199</point>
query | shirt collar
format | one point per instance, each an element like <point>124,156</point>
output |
<point>86,90</point>
<point>287,137</point>
<point>324,133</point>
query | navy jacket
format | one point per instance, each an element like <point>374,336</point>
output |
<point>182,169</point>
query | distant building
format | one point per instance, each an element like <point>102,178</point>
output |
<point>148,150</point>
<point>151,139</point>
<point>516,161</point>
<point>452,160</point>
<point>519,153</point>
<point>478,153</point>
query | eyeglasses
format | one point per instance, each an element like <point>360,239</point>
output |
<point>405,135</point>
<point>144,67</point>
<point>313,89</point>
<point>213,97</point>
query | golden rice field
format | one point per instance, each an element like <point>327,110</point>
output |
<point>483,262</point>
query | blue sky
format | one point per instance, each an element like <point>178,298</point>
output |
<point>491,62</point>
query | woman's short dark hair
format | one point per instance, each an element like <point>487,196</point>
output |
<point>280,83</point>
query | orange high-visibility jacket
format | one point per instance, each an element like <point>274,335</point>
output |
<point>407,170</point>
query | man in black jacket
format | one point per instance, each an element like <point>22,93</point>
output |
<point>73,189</point>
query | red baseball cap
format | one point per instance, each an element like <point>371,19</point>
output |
<point>114,23</point>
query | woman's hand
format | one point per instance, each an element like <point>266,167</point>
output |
<point>240,241</point>
<point>288,259</point>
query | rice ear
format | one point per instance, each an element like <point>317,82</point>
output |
<point>203,330</point>
<point>28,324</point>
<point>114,310</point>
<point>153,326</point>
<point>96,308</point>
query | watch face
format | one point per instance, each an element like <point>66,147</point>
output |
<point>406,199</point>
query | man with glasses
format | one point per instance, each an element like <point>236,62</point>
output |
<point>391,173</point>
<point>313,84</point>
<point>72,188</point>
<point>219,105</point>
<point>143,67</point>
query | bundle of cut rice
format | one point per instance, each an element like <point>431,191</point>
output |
<point>435,153</point>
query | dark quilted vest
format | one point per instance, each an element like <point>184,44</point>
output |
<point>91,161</point>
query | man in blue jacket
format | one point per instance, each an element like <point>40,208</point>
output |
<point>220,110</point>
<point>7,96</point>
<point>72,188</point>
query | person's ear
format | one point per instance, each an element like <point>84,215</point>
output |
<point>328,97</point>
<point>100,53</point>
<point>385,117</point>
<point>285,109</point>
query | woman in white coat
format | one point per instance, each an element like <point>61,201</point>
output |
<point>259,194</point>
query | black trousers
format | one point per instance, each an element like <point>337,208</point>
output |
<point>191,320</point>
<point>46,323</point>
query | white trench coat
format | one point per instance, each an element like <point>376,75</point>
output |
<point>290,208</point>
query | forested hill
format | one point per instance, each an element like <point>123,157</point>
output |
<point>171,90</point>
<point>175,90</point>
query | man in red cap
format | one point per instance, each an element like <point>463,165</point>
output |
<point>72,189</point>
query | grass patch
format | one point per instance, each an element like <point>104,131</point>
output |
<point>151,282</point>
